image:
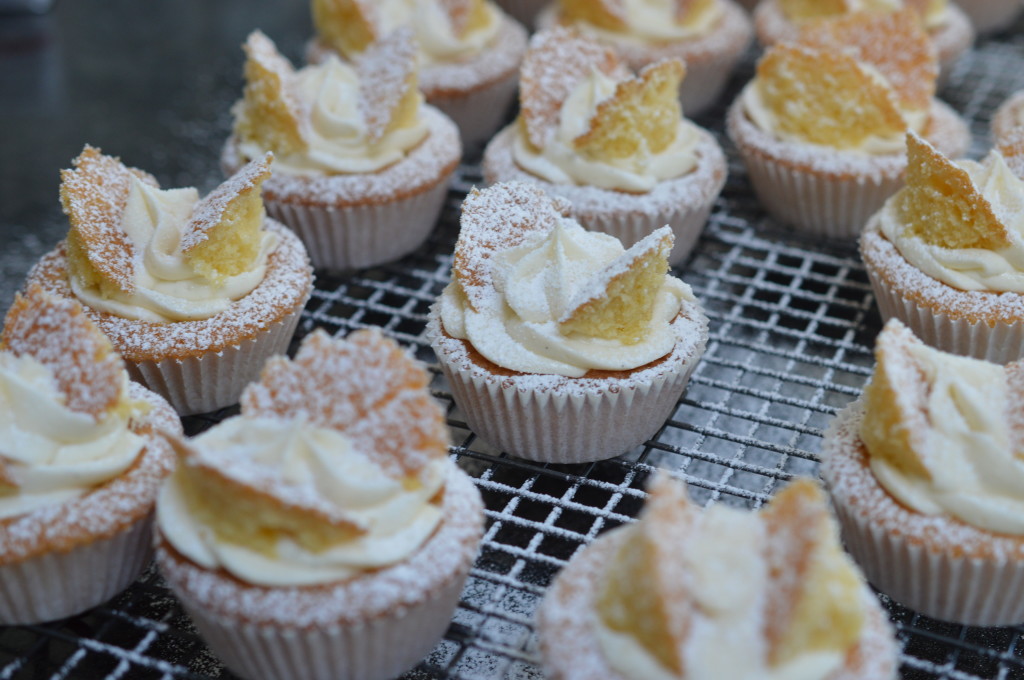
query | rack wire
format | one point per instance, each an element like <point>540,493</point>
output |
<point>792,326</point>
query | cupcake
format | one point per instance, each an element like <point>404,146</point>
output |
<point>559,345</point>
<point>686,593</point>
<point>362,165</point>
<point>324,532</point>
<point>614,145</point>
<point>943,254</point>
<point>947,25</point>
<point>821,129</point>
<point>926,480</point>
<point>82,462</point>
<point>709,36</point>
<point>194,294</point>
<point>469,51</point>
<point>1008,118</point>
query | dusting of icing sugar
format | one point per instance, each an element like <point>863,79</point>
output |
<point>945,130</point>
<point>385,71</point>
<point>693,188</point>
<point>209,212</point>
<point>690,328</point>
<point>286,286</point>
<point>1008,117</point>
<point>888,267</point>
<point>848,475</point>
<point>429,163</point>
<point>497,61</point>
<point>365,386</point>
<point>445,556</point>
<point>110,508</point>
<point>56,332</point>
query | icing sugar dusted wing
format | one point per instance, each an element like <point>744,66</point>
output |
<point>93,195</point>
<point>555,63</point>
<point>57,333</point>
<point>349,26</point>
<point>387,83</point>
<point>365,386</point>
<point>272,112</point>
<point>494,219</point>
<point>465,15</point>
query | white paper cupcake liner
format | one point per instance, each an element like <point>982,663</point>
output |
<point>1001,343</point>
<point>569,422</point>
<point>970,591</point>
<point>359,236</point>
<point>215,380</point>
<point>382,648</point>
<point>479,113</point>
<point>56,585</point>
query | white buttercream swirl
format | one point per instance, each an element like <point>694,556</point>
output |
<point>437,39</point>
<point>730,583</point>
<point>55,454</point>
<point>976,476</point>
<point>655,21</point>
<point>752,100</point>
<point>167,288</point>
<point>995,271</point>
<point>537,282</point>
<point>317,463</point>
<point>338,141</point>
<point>560,163</point>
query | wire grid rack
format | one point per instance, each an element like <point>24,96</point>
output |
<point>792,325</point>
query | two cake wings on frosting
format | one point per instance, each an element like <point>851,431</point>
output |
<point>849,79</point>
<point>616,303</point>
<point>272,113</point>
<point>642,113</point>
<point>94,194</point>
<point>648,591</point>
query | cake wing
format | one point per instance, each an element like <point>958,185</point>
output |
<point>1012,149</point>
<point>643,112</point>
<point>465,15</point>
<point>646,590</point>
<point>224,233</point>
<point>897,393</point>
<point>805,562</point>
<point>271,113</point>
<point>348,26</point>
<point>941,205</point>
<point>93,195</point>
<point>388,97</point>
<point>609,14</point>
<point>894,43</point>
<point>556,62</point>
<point>56,332</point>
<point>825,97</point>
<point>618,302</point>
<point>245,508</point>
<point>356,386</point>
<point>802,10</point>
<point>494,219</point>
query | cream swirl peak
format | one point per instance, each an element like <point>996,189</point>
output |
<point>558,299</point>
<point>315,509</point>
<point>940,435</point>
<point>331,118</point>
<point>861,98</point>
<point>979,243</point>
<point>163,255</point>
<point>684,587</point>
<point>586,121</point>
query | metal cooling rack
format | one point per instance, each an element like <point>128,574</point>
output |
<point>792,325</point>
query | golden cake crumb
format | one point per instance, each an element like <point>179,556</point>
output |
<point>556,62</point>
<point>817,605</point>
<point>388,98</point>
<point>642,592</point>
<point>799,84</point>
<point>271,113</point>
<point>607,14</point>
<point>618,303</point>
<point>348,26</point>
<point>644,112</point>
<point>940,204</point>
